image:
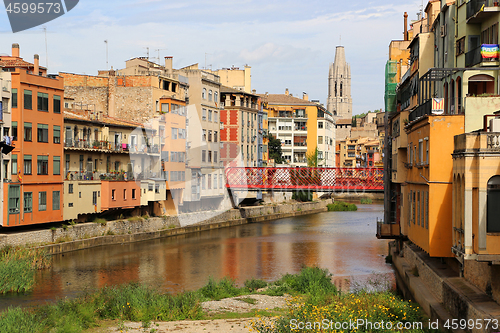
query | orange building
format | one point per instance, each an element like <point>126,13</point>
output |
<point>34,194</point>
<point>427,205</point>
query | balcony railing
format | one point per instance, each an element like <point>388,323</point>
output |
<point>420,111</point>
<point>473,57</point>
<point>88,175</point>
<point>475,6</point>
<point>493,141</point>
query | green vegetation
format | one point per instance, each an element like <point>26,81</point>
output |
<point>275,152</point>
<point>18,266</point>
<point>100,221</point>
<point>134,219</point>
<point>340,206</point>
<point>314,296</point>
<point>371,307</point>
<point>366,201</point>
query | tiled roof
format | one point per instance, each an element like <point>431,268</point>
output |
<point>282,99</point>
<point>224,89</point>
<point>344,122</point>
<point>104,120</point>
<point>15,63</point>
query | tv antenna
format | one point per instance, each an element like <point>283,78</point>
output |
<point>158,50</point>
<point>107,64</point>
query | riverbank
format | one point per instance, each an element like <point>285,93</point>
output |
<point>305,296</point>
<point>441,292</point>
<point>100,233</point>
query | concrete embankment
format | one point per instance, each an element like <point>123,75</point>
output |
<point>87,235</point>
<point>441,293</point>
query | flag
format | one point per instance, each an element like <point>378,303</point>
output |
<point>19,177</point>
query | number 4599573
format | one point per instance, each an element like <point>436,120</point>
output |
<point>454,324</point>
<point>33,8</point>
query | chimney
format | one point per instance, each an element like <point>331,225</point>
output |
<point>254,91</point>
<point>406,26</point>
<point>36,70</point>
<point>15,50</point>
<point>305,97</point>
<point>169,63</point>
<point>287,92</point>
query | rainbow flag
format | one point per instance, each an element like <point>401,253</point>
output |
<point>490,51</point>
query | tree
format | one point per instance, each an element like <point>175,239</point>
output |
<point>275,152</point>
<point>312,158</point>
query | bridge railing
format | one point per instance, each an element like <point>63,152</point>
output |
<point>305,178</point>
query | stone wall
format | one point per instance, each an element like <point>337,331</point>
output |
<point>79,236</point>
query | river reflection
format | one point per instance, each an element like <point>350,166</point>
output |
<point>342,242</point>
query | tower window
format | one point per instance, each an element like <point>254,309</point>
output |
<point>340,89</point>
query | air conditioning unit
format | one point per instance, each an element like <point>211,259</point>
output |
<point>443,30</point>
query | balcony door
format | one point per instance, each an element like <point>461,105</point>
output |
<point>493,207</point>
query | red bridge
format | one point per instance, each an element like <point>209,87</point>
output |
<point>315,179</point>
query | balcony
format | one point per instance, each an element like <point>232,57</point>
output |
<point>476,13</point>
<point>421,110</point>
<point>89,175</point>
<point>107,146</point>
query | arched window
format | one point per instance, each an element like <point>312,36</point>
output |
<point>493,208</point>
<point>452,98</point>
<point>340,89</point>
<point>446,102</point>
<point>216,96</point>
<point>204,93</point>
<point>335,89</point>
<point>210,95</point>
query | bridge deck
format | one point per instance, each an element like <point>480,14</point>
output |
<point>311,179</point>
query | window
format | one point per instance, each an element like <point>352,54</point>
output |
<point>94,198</point>
<point>426,151</point>
<point>113,192</point>
<point>203,155</point>
<point>216,136</point>
<point>28,103</point>
<point>215,181</point>
<point>460,46</point>
<point>204,93</point>
<point>42,165</point>
<point>209,185</point>
<point>320,124</point>
<point>209,135</point>
<point>43,133</point>
<point>56,200</point>
<point>14,98</point>
<point>165,107</point>
<point>320,140</point>
<point>27,165</point>
<point>133,194</point>
<point>210,95</point>
<point>421,152</point>
<point>70,188</point>
<point>174,133</point>
<point>57,134</point>
<point>125,194</point>
<point>27,132</point>
<point>215,156</point>
<point>42,201</point>
<point>204,135</point>
<point>209,115</point>
<point>14,197</point>
<point>203,114</point>
<point>57,104</point>
<point>492,207</point>
<point>216,96</point>
<point>216,116</point>
<point>13,170</point>
<point>28,202</point>
<point>209,156</point>
<point>57,165</point>
<point>43,102</point>
<point>14,131</point>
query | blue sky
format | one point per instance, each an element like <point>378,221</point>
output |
<point>289,44</point>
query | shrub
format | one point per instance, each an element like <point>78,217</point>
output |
<point>365,201</point>
<point>340,206</point>
<point>254,284</point>
<point>217,290</point>
<point>100,221</point>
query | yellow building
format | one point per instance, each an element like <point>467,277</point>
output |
<point>301,126</point>
<point>236,78</point>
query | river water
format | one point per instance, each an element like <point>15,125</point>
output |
<point>342,242</point>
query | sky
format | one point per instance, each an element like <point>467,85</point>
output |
<point>288,44</point>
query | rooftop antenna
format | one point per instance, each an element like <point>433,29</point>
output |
<point>206,59</point>
<point>147,51</point>
<point>46,48</point>
<point>158,50</point>
<point>107,64</point>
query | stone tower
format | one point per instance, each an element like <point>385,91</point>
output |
<point>339,87</point>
